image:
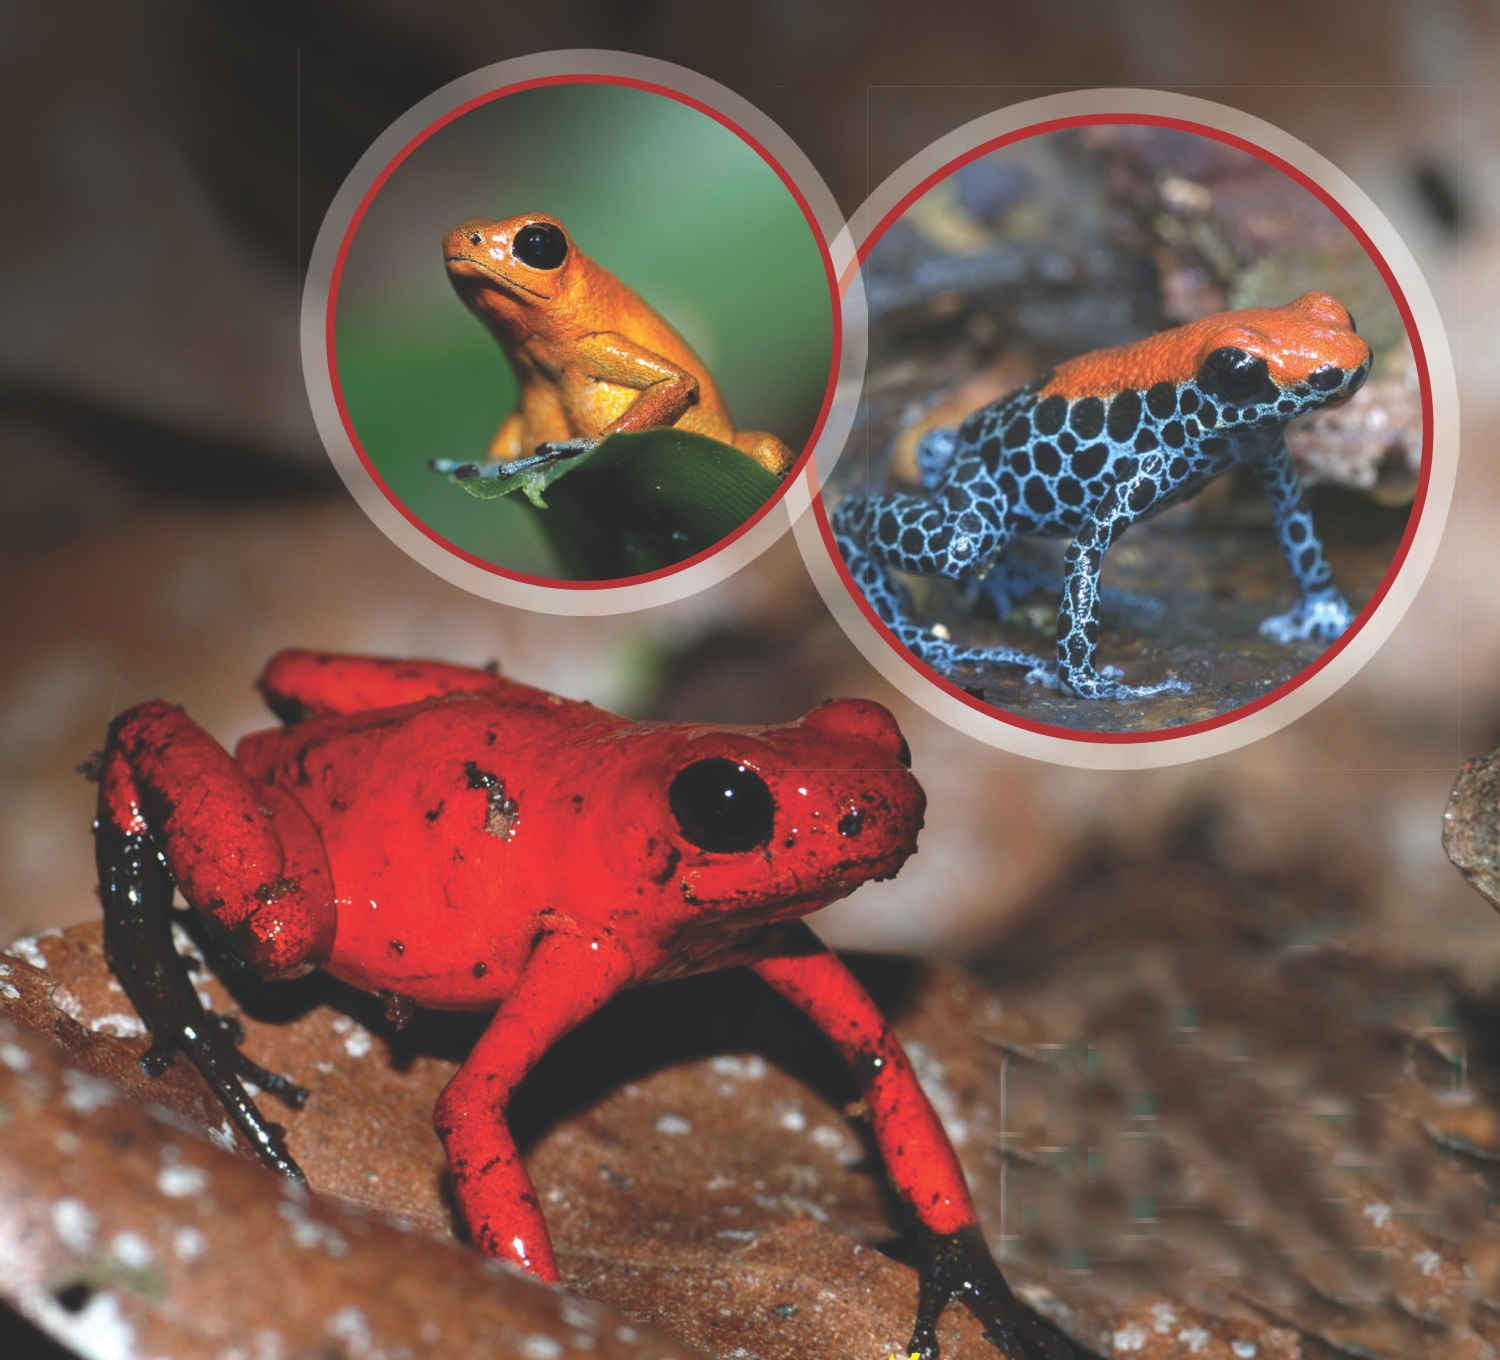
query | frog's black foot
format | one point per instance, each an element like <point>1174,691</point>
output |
<point>136,890</point>
<point>282,1087</point>
<point>211,1044</point>
<point>959,1265</point>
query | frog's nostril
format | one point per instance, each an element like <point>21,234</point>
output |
<point>722,806</point>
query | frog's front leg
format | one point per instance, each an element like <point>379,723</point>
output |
<point>914,535</point>
<point>174,808</point>
<point>954,1261</point>
<point>1322,611</point>
<point>666,391</point>
<point>567,979</point>
<point>1078,614</point>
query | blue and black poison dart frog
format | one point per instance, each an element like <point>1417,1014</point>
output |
<point>1102,441</point>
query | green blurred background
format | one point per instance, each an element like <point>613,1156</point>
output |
<point>672,202</point>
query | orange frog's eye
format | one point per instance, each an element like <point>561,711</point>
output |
<point>1234,374</point>
<point>722,806</point>
<point>541,245</point>
<point>476,238</point>
<point>1352,326</point>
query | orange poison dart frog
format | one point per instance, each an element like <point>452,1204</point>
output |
<point>448,838</point>
<point>591,357</point>
<point>1087,450</point>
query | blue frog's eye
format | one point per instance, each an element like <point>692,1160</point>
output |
<point>541,245</point>
<point>722,806</point>
<point>1234,375</point>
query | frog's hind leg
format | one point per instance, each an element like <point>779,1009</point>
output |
<point>1322,612</point>
<point>298,685</point>
<point>174,809</point>
<point>767,450</point>
<point>875,533</point>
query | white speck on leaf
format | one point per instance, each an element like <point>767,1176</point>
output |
<point>121,1024</point>
<point>1129,1339</point>
<point>1164,1317</point>
<point>540,1347</point>
<point>674,1124</point>
<point>1246,1350</point>
<point>1194,1338</point>
<point>350,1326</point>
<point>188,1244</point>
<point>793,1120</point>
<point>180,1180</point>
<point>131,1250</point>
<point>15,1057</point>
<point>9,992</point>
<point>85,1093</point>
<point>1379,1214</point>
<point>1427,1261</point>
<point>27,951</point>
<point>74,1224</point>
<point>223,1136</point>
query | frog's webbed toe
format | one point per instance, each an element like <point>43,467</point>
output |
<point>958,1265</point>
<point>1088,683</point>
<point>1324,614</point>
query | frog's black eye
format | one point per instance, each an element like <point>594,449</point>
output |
<point>541,245</point>
<point>722,806</point>
<point>1233,374</point>
<point>476,238</point>
<point>1352,326</point>
<point>904,754</point>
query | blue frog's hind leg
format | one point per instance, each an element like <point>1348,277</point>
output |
<point>908,533</point>
<point>1322,611</point>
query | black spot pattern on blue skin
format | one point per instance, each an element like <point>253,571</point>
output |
<point>1087,417</point>
<point>1050,415</point>
<point>1161,400</point>
<point>1090,462</point>
<point>1124,416</point>
<point>1087,468</point>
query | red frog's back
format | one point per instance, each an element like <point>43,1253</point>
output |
<point>461,830</point>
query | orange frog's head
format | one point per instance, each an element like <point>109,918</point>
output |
<point>1285,360</point>
<point>515,272</point>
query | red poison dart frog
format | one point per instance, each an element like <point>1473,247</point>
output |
<point>449,838</point>
<point>1087,450</point>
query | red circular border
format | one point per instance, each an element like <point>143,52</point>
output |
<point>582,79</point>
<point>1418,500</point>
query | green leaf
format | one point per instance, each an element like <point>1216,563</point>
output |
<point>637,502</point>
<point>532,481</point>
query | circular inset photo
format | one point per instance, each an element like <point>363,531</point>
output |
<point>1145,436</point>
<point>579,328</point>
